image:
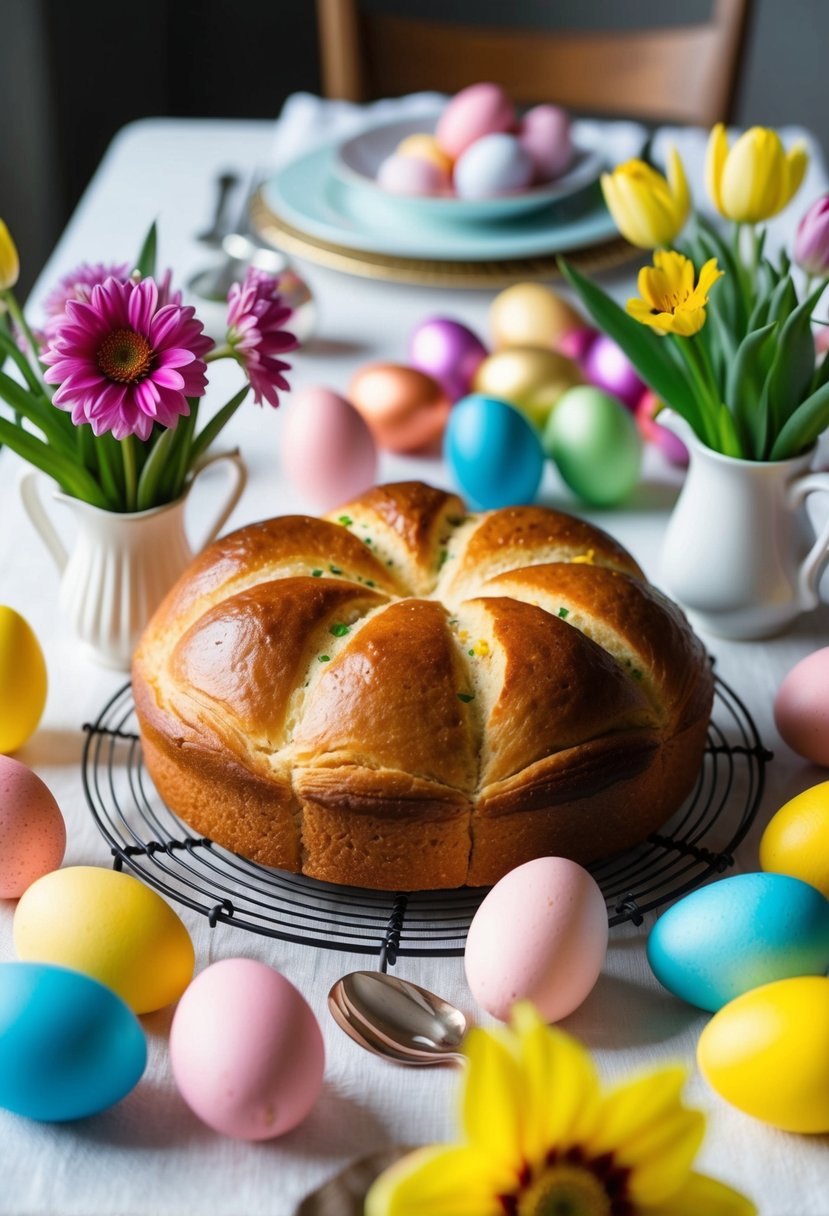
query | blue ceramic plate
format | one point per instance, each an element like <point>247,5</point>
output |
<point>310,196</point>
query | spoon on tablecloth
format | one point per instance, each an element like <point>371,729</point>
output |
<point>397,1019</point>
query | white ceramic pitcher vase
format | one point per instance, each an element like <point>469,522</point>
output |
<point>740,553</point>
<point>123,564</point>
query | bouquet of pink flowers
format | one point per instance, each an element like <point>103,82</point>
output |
<point>106,400</point>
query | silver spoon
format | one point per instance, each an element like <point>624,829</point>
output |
<point>397,1019</point>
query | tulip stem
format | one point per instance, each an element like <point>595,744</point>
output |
<point>130,472</point>
<point>702,377</point>
<point>32,348</point>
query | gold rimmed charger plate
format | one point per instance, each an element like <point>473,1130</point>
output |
<point>430,272</point>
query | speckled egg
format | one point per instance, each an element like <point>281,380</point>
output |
<point>476,111</point>
<point>545,133</point>
<point>801,708</point>
<point>796,839</point>
<point>405,409</point>
<point>32,831</point>
<point>328,452</point>
<point>246,1050</point>
<point>530,314</point>
<point>539,935</point>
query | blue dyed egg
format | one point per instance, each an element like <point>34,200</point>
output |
<point>69,1047</point>
<point>493,452</point>
<point>737,934</point>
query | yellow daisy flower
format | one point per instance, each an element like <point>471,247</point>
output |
<point>671,302</point>
<point>543,1140</point>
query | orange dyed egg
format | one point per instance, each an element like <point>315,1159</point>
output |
<point>405,409</point>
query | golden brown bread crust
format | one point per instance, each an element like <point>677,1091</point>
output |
<point>405,696</point>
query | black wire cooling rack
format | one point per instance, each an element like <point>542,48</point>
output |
<point>144,834</point>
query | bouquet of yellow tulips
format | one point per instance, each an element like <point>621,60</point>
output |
<point>719,331</point>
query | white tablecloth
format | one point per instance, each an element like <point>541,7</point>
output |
<point>149,1156</point>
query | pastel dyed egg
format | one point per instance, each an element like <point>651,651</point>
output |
<point>493,452</point>
<point>478,110</point>
<point>607,367</point>
<point>595,445</point>
<point>111,927</point>
<point>412,175</point>
<point>767,1053</point>
<point>544,132</point>
<point>494,165</point>
<point>528,377</point>
<point>32,830</point>
<point>539,935</point>
<point>22,680</point>
<point>69,1047</point>
<point>529,314</point>
<point>801,708</point>
<point>427,148</point>
<point>405,409</point>
<point>328,452</point>
<point>796,839</point>
<point>448,352</point>
<point>246,1050</point>
<point>738,934</point>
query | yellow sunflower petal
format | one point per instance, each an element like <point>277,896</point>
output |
<point>634,1107</point>
<point>679,187</point>
<point>451,1181</point>
<point>715,158</point>
<point>492,1116</point>
<point>701,1194</point>
<point>561,1086</point>
<point>661,1157</point>
<point>797,161</point>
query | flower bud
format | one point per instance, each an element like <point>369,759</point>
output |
<point>9,261</point>
<point>649,210</point>
<point>811,245</point>
<point>756,178</point>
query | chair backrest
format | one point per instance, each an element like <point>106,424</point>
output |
<point>683,73</point>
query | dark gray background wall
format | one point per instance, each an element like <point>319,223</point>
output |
<point>73,71</point>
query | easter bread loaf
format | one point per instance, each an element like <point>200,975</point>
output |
<point>405,696</point>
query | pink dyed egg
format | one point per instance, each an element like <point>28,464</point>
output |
<point>669,444</point>
<point>246,1050</point>
<point>412,175</point>
<point>493,165</point>
<point>540,935</point>
<point>480,109</point>
<point>328,452</point>
<point>576,343</point>
<point>801,708</point>
<point>607,366</point>
<point>448,352</point>
<point>544,132</point>
<point>32,831</point>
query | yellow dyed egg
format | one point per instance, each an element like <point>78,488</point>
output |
<point>425,147</point>
<point>109,926</point>
<point>22,680</point>
<point>796,840</point>
<point>529,378</point>
<point>767,1053</point>
<point>529,314</point>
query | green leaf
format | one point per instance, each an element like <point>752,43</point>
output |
<point>649,353</point>
<point>68,474</point>
<point>109,462</point>
<point>793,365</point>
<point>729,441</point>
<point>821,375</point>
<point>728,297</point>
<point>153,472</point>
<point>45,416</point>
<point>145,264</point>
<point>783,301</point>
<point>744,386</point>
<point>219,420</point>
<point>10,350</point>
<point>808,421</point>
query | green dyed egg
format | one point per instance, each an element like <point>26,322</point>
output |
<point>595,444</point>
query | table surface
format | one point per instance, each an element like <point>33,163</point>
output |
<point>149,1155</point>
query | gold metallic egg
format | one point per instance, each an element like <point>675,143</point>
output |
<point>427,148</point>
<point>530,314</point>
<point>405,409</point>
<point>529,378</point>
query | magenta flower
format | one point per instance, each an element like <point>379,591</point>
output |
<point>77,285</point>
<point>811,245</point>
<point>123,361</point>
<point>255,319</point>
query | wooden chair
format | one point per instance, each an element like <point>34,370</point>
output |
<point>684,74</point>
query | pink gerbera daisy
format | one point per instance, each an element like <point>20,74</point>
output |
<point>123,362</point>
<point>255,319</point>
<point>78,284</point>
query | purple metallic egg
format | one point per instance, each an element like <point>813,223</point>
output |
<point>576,343</point>
<point>608,367</point>
<point>448,352</point>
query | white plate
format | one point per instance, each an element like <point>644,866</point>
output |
<point>358,161</point>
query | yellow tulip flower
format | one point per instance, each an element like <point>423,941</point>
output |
<point>649,210</point>
<point>671,301</point>
<point>756,178</point>
<point>9,261</point>
<point>542,1137</point>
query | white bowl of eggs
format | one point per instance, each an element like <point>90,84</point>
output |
<point>476,160</point>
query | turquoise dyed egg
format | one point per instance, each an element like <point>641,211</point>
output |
<point>744,931</point>
<point>595,445</point>
<point>69,1047</point>
<point>493,452</point>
